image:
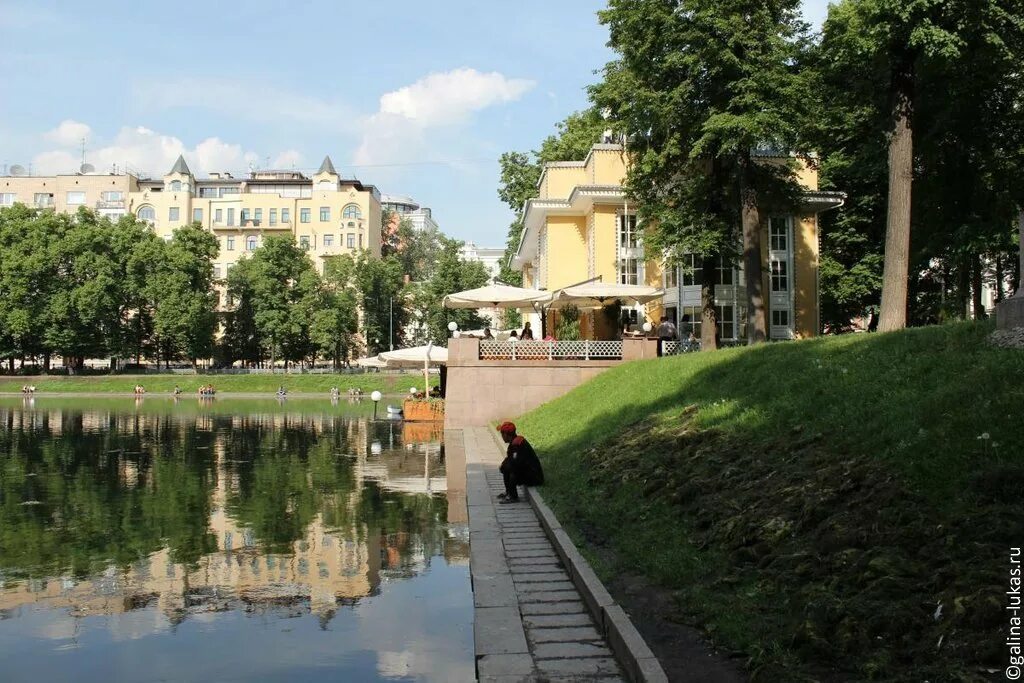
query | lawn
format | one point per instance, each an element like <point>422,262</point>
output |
<point>387,383</point>
<point>812,504</point>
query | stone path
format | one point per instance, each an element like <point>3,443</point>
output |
<point>530,622</point>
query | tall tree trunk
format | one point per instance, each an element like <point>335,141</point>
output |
<point>1019,263</point>
<point>46,363</point>
<point>1000,276</point>
<point>709,316</point>
<point>976,283</point>
<point>757,330</point>
<point>901,179</point>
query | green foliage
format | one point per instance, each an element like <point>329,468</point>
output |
<point>379,283</point>
<point>450,274</point>
<point>568,327</point>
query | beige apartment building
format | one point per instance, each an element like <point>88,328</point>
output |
<point>328,215</point>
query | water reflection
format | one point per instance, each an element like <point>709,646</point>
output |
<point>191,515</point>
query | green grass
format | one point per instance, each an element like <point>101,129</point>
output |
<point>808,503</point>
<point>158,384</point>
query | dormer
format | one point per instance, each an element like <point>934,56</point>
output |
<point>180,179</point>
<point>326,178</point>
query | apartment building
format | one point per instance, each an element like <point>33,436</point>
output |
<point>327,214</point>
<point>406,208</point>
<point>581,226</point>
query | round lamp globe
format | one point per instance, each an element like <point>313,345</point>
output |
<point>375,396</point>
<point>648,326</point>
<point>452,326</point>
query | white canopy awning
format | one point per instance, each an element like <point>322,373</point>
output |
<point>371,362</point>
<point>415,357</point>
<point>496,296</point>
<point>598,294</point>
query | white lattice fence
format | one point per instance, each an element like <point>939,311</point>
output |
<point>551,350</point>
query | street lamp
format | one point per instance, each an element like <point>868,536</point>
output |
<point>375,397</point>
<point>648,327</point>
<point>453,327</point>
<point>412,391</point>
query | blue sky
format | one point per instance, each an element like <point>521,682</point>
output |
<point>416,98</point>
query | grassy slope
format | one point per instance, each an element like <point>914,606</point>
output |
<point>809,503</point>
<point>155,384</point>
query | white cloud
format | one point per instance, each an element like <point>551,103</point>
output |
<point>289,158</point>
<point>69,132</point>
<point>398,129</point>
<point>144,151</point>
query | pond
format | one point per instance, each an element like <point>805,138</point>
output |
<point>229,540</point>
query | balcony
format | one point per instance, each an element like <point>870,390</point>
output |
<point>110,204</point>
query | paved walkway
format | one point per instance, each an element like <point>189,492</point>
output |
<point>530,623</point>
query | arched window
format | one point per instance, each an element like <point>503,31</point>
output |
<point>175,186</point>
<point>352,211</point>
<point>147,213</point>
<point>250,243</point>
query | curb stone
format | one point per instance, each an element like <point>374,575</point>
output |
<point>625,641</point>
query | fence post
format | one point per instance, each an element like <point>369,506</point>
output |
<point>513,350</point>
<point>586,349</point>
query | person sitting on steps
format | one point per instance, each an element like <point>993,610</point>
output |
<point>520,466</point>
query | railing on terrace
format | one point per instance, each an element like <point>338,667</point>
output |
<point>551,350</point>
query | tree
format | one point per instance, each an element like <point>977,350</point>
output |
<point>905,85</point>
<point>379,284</point>
<point>335,320</point>
<point>451,274</point>
<point>267,290</point>
<point>698,87</point>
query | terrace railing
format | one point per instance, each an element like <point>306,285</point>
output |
<point>551,350</point>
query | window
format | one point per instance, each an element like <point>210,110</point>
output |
<point>691,320</point>
<point>112,196</point>
<point>723,273</point>
<point>218,216</point>
<point>780,318</point>
<point>325,214</point>
<point>173,214</point>
<point>351,241</point>
<point>780,276</point>
<point>197,215</point>
<point>627,232</point>
<point>251,243</point>
<point>628,271</point>
<point>175,186</point>
<point>352,211</point>
<point>273,216</point>
<point>328,240</point>
<point>7,198</point>
<point>258,215</point>
<point>303,215</point>
<point>286,216</point>
<point>671,276</point>
<point>245,215</point>
<point>216,271</point>
<point>231,216</point>
<point>76,198</point>
<point>304,242</point>
<point>208,192</point>
<point>41,199</point>
<point>147,213</point>
<point>230,244</point>
<point>778,234</point>
<point>692,271</point>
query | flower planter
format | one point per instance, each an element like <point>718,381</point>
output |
<point>423,411</point>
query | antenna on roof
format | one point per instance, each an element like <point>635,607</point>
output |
<point>85,168</point>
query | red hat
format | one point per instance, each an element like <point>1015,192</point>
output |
<point>507,428</point>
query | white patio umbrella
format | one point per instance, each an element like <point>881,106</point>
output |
<point>371,362</point>
<point>496,296</point>
<point>599,294</point>
<point>425,356</point>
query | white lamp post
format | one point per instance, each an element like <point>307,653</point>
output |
<point>453,327</point>
<point>375,397</point>
<point>648,327</point>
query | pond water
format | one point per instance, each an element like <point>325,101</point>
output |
<point>229,540</point>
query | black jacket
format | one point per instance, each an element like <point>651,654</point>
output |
<point>524,461</point>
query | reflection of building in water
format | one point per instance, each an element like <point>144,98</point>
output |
<point>327,567</point>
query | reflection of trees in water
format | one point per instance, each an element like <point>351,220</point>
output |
<point>80,491</point>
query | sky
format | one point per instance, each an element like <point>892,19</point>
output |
<point>417,98</point>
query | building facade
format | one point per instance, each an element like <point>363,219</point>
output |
<point>581,227</point>
<point>406,208</point>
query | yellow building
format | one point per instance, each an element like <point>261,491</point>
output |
<point>581,226</point>
<point>327,214</point>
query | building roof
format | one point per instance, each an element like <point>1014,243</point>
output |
<point>327,166</point>
<point>180,167</point>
